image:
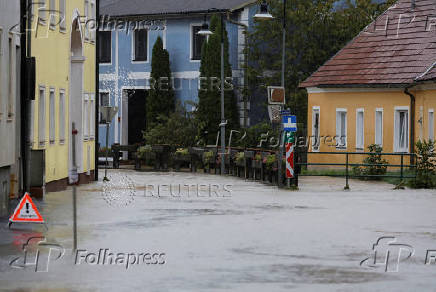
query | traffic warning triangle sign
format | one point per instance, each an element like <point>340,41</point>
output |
<point>26,211</point>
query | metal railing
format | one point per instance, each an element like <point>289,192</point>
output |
<point>402,166</point>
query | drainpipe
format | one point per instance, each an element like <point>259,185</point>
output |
<point>245,66</point>
<point>23,49</point>
<point>97,92</point>
<point>412,122</point>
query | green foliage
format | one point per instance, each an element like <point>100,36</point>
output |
<point>143,150</point>
<point>258,157</point>
<point>209,107</point>
<point>240,157</point>
<point>161,100</point>
<point>182,151</point>
<point>178,129</point>
<point>259,136</point>
<point>208,158</point>
<point>376,165</point>
<point>315,32</point>
<point>270,161</point>
<point>426,165</point>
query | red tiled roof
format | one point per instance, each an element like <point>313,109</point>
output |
<point>395,50</point>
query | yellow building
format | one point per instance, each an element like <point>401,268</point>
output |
<point>379,89</point>
<point>63,43</point>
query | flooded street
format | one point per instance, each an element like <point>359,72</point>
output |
<point>207,232</point>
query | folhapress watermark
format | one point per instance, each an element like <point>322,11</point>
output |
<point>387,254</point>
<point>105,257</point>
<point>38,254</point>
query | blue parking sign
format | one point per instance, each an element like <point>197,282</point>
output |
<point>290,123</point>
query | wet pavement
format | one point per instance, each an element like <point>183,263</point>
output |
<point>212,233</point>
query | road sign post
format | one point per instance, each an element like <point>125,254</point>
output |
<point>107,114</point>
<point>290,127</point>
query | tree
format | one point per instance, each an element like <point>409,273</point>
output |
<point>161,100</point>
<point>316,30</point>
<point>209,105</point>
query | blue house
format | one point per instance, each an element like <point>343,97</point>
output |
<point>128,30</point>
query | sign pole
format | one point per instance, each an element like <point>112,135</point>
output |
<point>107,152</point>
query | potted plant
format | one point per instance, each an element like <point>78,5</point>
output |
<point>181,156</point>
<point>146,154</point>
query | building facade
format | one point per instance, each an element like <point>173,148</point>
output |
<point>63,44</point>
<point>125,56</point>
<point>380,89</point>
<point>10,52</point>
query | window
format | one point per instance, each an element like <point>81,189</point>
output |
<point>86,116</point>
<point>52,14</point>
<point>431,124</point>
<point>93,17</point>
<point>105,47</point>
<point>61,116</point>
<point>401,128</point>
<point>196,43</point>
<point>360,132</point>
<point>41,116</point>
<point>140,47</point>
<point>92,122</point>
<point>61,14</point>
<point>379,127</point>
<point>315,129</point>
<point>52,116</point>
<point>86,19</point>
<point>42,10</point>
<point>104,101</point>
<point>341,128</point>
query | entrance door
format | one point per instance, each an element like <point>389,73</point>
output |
<point>136,115</point>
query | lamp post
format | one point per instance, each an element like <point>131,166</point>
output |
<point>206,32</point>
<point>265,15</point>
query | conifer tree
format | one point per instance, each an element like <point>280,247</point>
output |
<point>209,106</point>
<point>161,100</point>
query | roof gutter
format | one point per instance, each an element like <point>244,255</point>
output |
<point>412,121</point>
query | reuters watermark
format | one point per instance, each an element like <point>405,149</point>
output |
<point>188,191</point>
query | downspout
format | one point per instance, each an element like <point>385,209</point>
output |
<point>97,91</point>
<point>245,93</point>
<point>23,50</point>
<point>412,122</point>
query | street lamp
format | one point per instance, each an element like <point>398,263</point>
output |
<point>206,31</point>
<point>263,15</point>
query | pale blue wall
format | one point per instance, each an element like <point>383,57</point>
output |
<point>178,44</point>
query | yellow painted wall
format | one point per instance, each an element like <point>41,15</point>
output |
<point>369,101</point>
<point>51,48</point>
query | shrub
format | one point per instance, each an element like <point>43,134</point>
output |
<point>270,160</point>
<point>182,151</point>
<point>376,165</point>
<point>143,150</point>
<point>208,157</point>
<point>240,157</point>
<point>425,165</point>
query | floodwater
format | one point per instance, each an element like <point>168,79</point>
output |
<point>184,232</point>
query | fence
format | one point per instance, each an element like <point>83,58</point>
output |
<point>347,155</point>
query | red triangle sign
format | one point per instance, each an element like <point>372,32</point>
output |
<point>26,211</point>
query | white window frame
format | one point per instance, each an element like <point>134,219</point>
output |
<point>397,110</point>
<point>376,133</point>
<point>338,129</point>
<point>62,20</point>
<point>86,13</point>
<point>316,109</point>
<point>191,41</point>
<point>85,117</point>
<point>41,115</point>
<point>52,115</point>
<point>52,14</point>
<point>133,49</point>
<point>431,124</point>
<point>62,116</point>
<point>42,13</point>
<point>360,146</point>
<point>92,117</point>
